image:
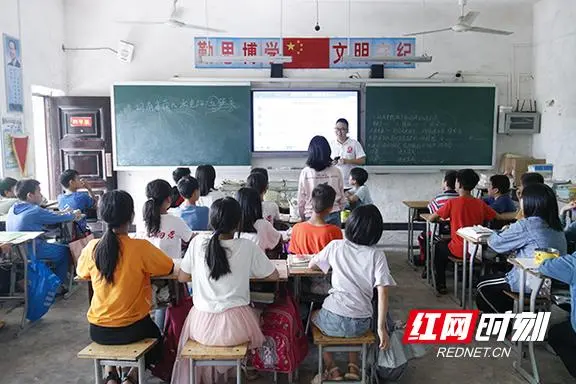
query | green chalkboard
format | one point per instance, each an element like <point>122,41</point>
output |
<point>171,125</point>
<point>434,125</point>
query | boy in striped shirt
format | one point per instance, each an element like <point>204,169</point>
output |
<point>448,192</point>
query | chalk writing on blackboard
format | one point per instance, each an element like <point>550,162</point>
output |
<point>212,104</point>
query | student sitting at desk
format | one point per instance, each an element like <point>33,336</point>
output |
<point>222,267</point>
<point>528,178</point>
<point>358,267</point>
<point>252,225</point>
<point>27,216</point>
<point>448,192</point>
<point>310,237</point>
<point>562,336</point>
<point>319,170</point>
<point>259,182</point>
<point>74,200</point>
<point>7,195</point>
<point>195,216</point>
<point>165,231</point>
<point>119,269</point>
<point>499,195</point>
<point>539,229</point>
<point>359,194</point>
<point>463,211</point>
<point>206,176</point>
<point>178,174</point>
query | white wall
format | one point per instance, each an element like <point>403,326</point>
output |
<point>43,62</point>
<point>555,74</point>
<point>162,52</point>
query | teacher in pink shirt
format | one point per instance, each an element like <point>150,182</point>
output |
<point>319,170</point>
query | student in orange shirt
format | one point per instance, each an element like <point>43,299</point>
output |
<point>119,268</point>
<point>463,211</point>
<point>312,236</point>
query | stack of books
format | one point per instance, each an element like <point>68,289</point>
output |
<point>476,232</point>
<point>298,261</point>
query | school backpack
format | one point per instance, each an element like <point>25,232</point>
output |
<point>176,315</point>
<point>285,345</point>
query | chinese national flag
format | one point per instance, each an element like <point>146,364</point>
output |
<point>307,52</point>
<point>20,148</point>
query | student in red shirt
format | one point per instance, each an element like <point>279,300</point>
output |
<point>310,237</point>
<point>463,211</point>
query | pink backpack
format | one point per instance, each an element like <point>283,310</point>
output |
<point>286,344</point>
<point>175,318</point>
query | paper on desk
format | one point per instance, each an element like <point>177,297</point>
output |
<point>6,237</point>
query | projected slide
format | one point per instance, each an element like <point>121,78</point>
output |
<point>285,121</point>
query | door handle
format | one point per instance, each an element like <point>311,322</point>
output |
<point>108,164</point>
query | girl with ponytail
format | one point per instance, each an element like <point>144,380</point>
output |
<point>165,231</point>
<point>119,268</point>
<point>222,267</point>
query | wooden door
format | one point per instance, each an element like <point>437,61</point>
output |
<point>80,138</point>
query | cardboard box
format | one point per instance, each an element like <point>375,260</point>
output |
<point>515,166</point>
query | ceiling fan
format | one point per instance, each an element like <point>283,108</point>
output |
<point>464,24</point>
<point>174,21</point>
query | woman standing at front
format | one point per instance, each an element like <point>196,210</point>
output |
<point>319,170</point>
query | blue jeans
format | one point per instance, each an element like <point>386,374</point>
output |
<point>57,254</point>
<point>335,325</point>
<point>334,218</point>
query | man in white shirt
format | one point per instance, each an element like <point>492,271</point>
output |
<point>346,152</point>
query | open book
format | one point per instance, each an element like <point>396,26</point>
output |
<point>299,261</point>
<point>477,232</point>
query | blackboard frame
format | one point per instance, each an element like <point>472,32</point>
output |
<point>434,168</point>
<point>292,154</point>
<point>116,166</point>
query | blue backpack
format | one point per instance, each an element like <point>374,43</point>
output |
<point>42,287</point>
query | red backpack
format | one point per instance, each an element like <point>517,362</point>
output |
<point>176,315</point>
<point>286,344</point>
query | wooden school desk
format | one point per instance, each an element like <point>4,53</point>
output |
<point>475,244</point>
<point>20,242</point>
<point>414,208</point>
<point>298,274</point>
<point>536,281</point>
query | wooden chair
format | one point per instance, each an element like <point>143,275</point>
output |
<point>205,356</point>
<point>343,344</point>
<point>129,355</point>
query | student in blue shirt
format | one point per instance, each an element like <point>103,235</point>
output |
<point>499,195</point>
<point>74,200</point>
<point>359,194</point>
<point>195,216</point>
<point>540,228</point>
<point>562,336</point>
<point>27,216</point>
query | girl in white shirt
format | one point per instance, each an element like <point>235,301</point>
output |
<point>252,225</point>
<point>222,267</point>
<point>206,176</point>
<point>320,170</point>
<point>167,232</point>
<point>357,268</point>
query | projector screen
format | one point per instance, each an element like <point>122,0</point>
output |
<point>285,121</point>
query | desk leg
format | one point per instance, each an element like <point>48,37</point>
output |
<point>464,260</point>
<point>22,250</point>
<point>471,275</point>
<point>429,238</point>
<point>520,310</point>
<point>297,286</point>
<point>410,237</point>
